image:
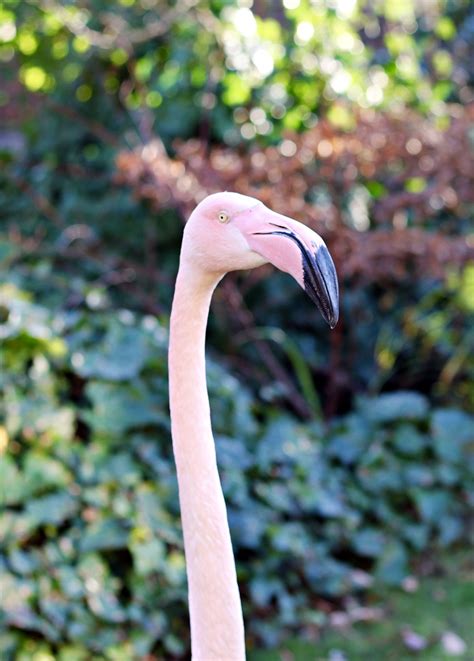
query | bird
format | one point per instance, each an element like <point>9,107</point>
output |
<point>226,232</point>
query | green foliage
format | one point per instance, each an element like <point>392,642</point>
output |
<point>196,62</point>
<point>432,609</point>
<point>92,559</point>
<point>101,90</point>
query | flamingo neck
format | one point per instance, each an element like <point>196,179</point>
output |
<point>217,631</point>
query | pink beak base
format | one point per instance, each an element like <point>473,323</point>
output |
<point>295,249</point>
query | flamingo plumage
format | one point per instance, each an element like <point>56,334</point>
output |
<point>226,232</point>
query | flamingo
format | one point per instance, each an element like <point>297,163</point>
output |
<point>225,232</point>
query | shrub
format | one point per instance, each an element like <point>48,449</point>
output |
<point>91,558</point>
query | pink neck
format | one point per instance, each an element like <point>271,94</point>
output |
<point>217,631</point>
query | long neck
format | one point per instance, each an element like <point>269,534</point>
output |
<point>217,631</point>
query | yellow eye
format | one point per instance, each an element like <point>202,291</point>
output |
<point>223,217</point>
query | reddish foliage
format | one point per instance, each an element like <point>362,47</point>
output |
<point>22,105</point>
<point>409,231</point>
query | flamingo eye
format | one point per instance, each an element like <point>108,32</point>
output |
<point>223,217</point>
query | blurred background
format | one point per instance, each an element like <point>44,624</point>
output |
<point>346,456</point>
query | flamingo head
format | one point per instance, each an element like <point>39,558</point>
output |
<point>228,232</point>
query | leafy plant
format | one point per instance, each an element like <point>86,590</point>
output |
<point>92,559</point>
<point>116,119</point>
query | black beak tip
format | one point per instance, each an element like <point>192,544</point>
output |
<point>333,319</point>
<point>321,283</point>
<point>319,277</point>
<point>330,312</point>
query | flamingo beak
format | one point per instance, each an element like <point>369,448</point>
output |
<point>295,249</point>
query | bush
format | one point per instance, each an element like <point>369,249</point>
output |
<point>397,223</point>
<point>116,119</point>
<point>92,559</point>
<point>384,176</point>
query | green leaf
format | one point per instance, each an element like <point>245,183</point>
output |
<point>119,357</point>
<point>104,535</point>
<point>376,189</point>
<point>55,608</point>
<point>416,535</point>
<point>148,556</point>
<point>263,589</point>
<point>42,473</point>
<point>105,605</point>
<point>401,405</point>
<point>368,542</point>
<point>392,566</point>
<point>236,90</point>
<point>452,430</point>
<point>445,28</point>
<point>418,475</point>
<point>39,413</point>
<point>276,495</point>
<point>346,447</point>
<point>70,583</point>
<point>232,453</point>
<point>290,537</point>
<point>275,445</point>
<point>16,607</point>
<point>23,562</point>
<point>249,526</point>
<point>341,117</point>
<point>54,509</point>
<point>432,505</point>
<point>121,468</point>
<point>328,504</point>
<point>415,185</point>
<point>328,576</point>
<point>101,589</point>
<point>450,529</point>
<point>12,485</point>
<point>117,409</point>
<point>408,441</point>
